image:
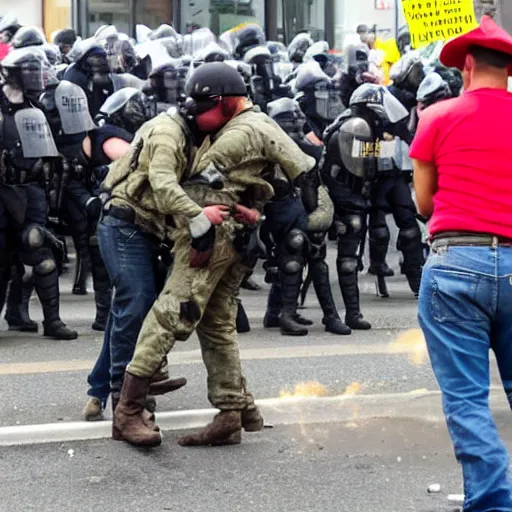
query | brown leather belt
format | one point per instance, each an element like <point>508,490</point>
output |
<point>466,238</point>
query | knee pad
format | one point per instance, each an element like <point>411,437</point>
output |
<point>347,265</point>
<point>295,241</point>
<point>33,237</point>
<point>408,237</point>
<point>354,224</point>
<point>291,266</point>
<point>340,228</point>
<point>45,267</point>
<point>380,234</point>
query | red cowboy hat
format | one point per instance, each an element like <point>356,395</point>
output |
<point>487,35</point>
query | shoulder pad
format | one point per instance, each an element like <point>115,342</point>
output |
<point>357,127</point>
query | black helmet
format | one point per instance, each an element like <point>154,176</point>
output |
<point>9,25</point>
<point>66,36</point>
<point>378,99</point>
<point>127,108</point>
<point>28,36</point>
<point>452,76</point>
<point>433,89</point>
<point>23,68</point>
<point>215,79</point>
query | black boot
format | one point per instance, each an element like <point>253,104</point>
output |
<point>411,245</point>
<point>102,288</point>
<point>379,245</point>
<point>249,284</point>
<point>17,315</point>
<point>332,321</point>
<point>242,322</point>
<point>274,305</point>
<point>83,263</point>
<point>381,270</point>
<point>290,289</point>
<point>350,293</point>
<point>47,288</point>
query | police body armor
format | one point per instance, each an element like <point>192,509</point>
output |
<point>27,147</point>
<point>350,159</point>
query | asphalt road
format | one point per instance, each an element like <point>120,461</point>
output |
<point>366,465</point>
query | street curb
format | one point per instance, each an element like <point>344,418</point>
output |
<point>420,405</point>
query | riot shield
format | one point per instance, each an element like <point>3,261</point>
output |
<point>35,135</point>
<point>73,108</point>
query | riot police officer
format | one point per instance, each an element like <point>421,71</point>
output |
<point>163,86</point>
<point>357,71</point>
<point>318,96</point>
<point>349,170</point>
<point>265,85</point>
<point>28,164</point>
<point>65,39</point>
<point>298,224</point>
<point>90,70</point>
<point>298,47</point>
<point>392,193</point>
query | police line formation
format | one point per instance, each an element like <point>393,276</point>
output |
<point>72,107</point>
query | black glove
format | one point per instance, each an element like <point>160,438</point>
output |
<point>201,249</point>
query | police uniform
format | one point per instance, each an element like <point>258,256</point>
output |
<point>29,157</point>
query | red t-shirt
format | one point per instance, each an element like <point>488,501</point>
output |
<point>469,139</point>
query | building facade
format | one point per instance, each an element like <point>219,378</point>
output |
<point>332,20</point>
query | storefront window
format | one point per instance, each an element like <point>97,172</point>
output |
<point>303,16</point>
<point>153,13</point>
<point>109,12</point>
<point>220,15</point>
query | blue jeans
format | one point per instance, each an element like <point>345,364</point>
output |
<point>465,309</point>
<point>130,258</point>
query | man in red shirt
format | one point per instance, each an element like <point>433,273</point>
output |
<point>462,156</point>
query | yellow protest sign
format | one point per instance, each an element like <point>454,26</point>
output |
<point>438,20</point>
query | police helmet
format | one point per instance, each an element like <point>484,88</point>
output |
<point>128,108</point>
<point>215,79</point>
<point>28,36</point>
<point>66,36</point>
<point>408,70</point>
<point>9,22</point>
<point>433,89</point>
<point>379,100</point>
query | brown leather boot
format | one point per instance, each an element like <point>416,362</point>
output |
<point>129,423</point>
<point>226,428</point>
<point>252,420</point>
<point>148,414</point>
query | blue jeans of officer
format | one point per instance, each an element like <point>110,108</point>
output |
<point>465,310</point>
<point>130,257</point>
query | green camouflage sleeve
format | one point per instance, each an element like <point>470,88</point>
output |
<point>283,151</point>
<point>167,164</point>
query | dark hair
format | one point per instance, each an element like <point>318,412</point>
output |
<point>491,58</point>
<point>362,29</point>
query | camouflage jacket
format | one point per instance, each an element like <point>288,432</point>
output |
<point>247,147</point>
<point>148,178</point>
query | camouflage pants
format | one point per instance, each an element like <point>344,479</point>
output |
<point>202,299</point>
